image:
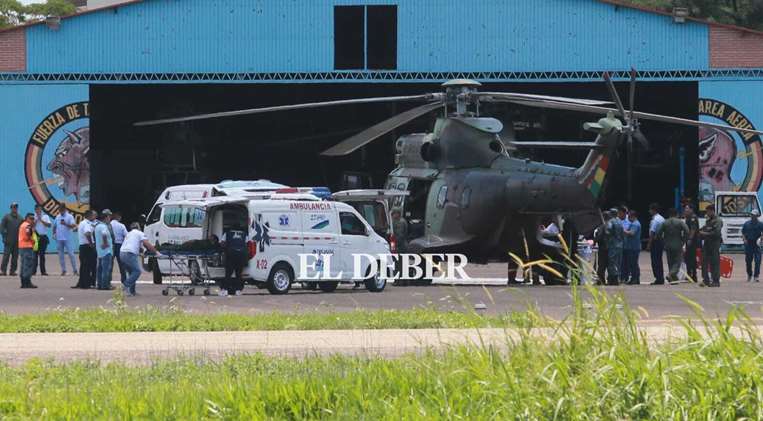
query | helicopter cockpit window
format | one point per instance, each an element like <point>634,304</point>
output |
<point>466,197</point>
<point>442,195</point>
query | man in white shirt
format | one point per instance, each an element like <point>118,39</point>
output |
<point>655,245</point>
<point>41,225</point>
<point>88,258</point>
<point>129,254</point>
<point>120,232</point>
<point>62,233</point>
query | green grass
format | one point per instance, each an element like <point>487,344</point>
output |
<point>598,367</point>
<point>156,320</point>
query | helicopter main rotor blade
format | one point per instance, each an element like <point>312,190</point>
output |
<point>486,96</point>
<point>425,97</point>
<point>632,93</point>
<point>637,114</point>
<point>361,139</point>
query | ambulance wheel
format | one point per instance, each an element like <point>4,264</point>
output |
<point>375,283</point>
<point>192,291</point>
<point>328,286</point>
<point>280,279</point>
<point>165,292</point>
<point>179,291</point>
<point>206,291</point>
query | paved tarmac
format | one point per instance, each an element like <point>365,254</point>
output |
<point>657,302</point>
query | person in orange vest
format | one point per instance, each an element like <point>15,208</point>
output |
<point>26,251</point>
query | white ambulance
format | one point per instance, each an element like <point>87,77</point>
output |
<point>329,233</point>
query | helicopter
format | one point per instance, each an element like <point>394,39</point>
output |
<point>468,192</point>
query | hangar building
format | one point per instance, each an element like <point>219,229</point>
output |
<point>71,89</point>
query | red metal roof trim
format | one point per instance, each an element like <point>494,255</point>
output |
<point>73,15</point>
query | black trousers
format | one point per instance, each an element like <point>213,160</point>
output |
<point>10,252</point>
<point>234,263</point>
<point>690,258</point>
<point>42,247</point>
<point>88,262</point>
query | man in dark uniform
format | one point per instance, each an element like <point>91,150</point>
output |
<point>751,232</point>
<point>673,233</point>
<point>234,242</point>
<point>692,244</point>
<point>711,248</point>
<point>9,229</point>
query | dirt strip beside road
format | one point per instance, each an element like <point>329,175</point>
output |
<point>145,347</point>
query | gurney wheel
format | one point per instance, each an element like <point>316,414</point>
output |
<point>165,292</point>
<point>192,291</point>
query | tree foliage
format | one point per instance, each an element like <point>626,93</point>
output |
<point>747,13</point>
<point>12,12</point>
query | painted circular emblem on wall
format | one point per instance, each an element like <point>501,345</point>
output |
<point>56,163</point>
<point>728,161</point>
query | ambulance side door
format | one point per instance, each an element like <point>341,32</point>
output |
<point>354,239</point>
<point>320,231</point>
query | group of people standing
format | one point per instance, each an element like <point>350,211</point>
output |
<point>678,237</point>
<point>102,238</point>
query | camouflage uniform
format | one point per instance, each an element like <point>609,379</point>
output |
<point>615,236</point>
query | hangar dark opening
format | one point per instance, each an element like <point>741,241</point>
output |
<point>131,165</point>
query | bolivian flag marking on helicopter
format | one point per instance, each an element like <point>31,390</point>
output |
<point>596,178</point>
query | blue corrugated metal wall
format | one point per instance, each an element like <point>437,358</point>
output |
<point>228,36</point>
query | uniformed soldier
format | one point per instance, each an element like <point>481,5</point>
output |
<point>615,240</point>
<point>400,229</point>
<point>692,244</point>
<point>673,233</point>
<point>234,243</point>
<point>711,248</point>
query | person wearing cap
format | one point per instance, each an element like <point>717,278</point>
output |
<point>130,252</point>
<point>712,239</point>
<point>655,245</point>
<point>104,249</point>
<point>674,233</point>
<point>120,232</point>
<point>41,225</point>
<point>26,250</point>
<point>88,258</point>
<point>63,226</point>
<point>615,235</point>
<point>751,232</point>
<point>9,229</point>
